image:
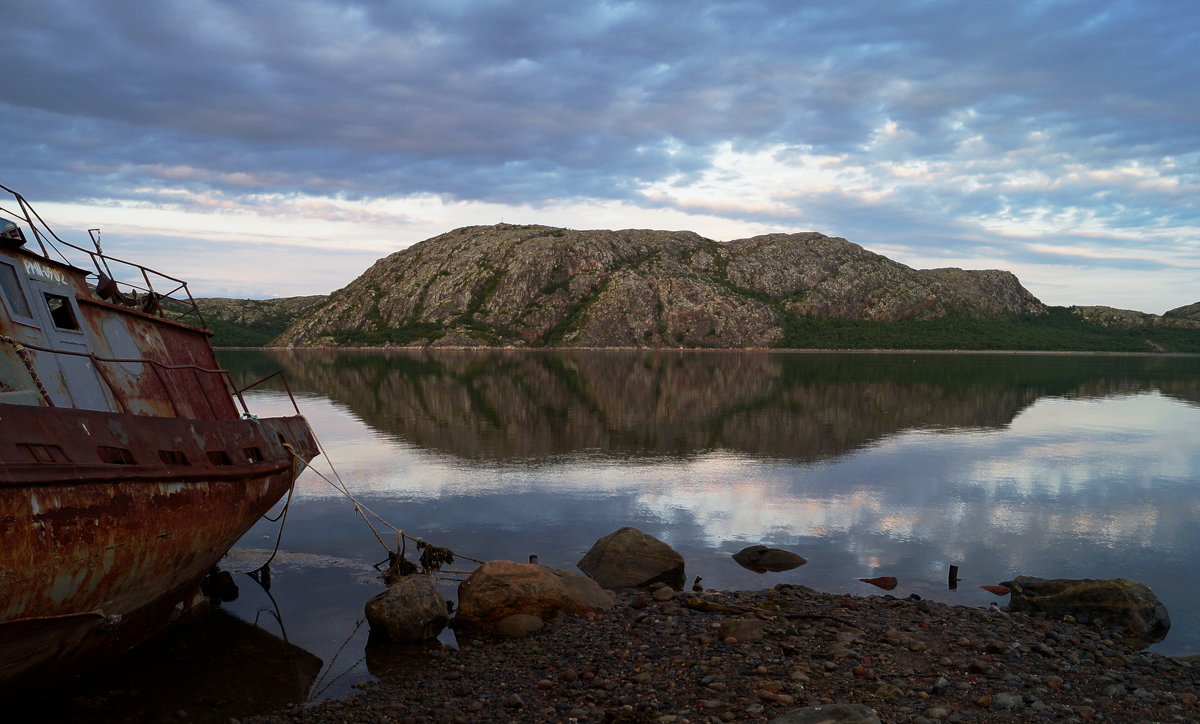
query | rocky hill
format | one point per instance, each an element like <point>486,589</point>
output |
<point>545,286</point>
<point>1190,311</point>
<point>252,322</point>
<point>1101,316</point>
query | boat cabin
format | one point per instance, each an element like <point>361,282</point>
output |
<point>77,338</point>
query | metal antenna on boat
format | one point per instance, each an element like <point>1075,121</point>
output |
<point>99,260</point>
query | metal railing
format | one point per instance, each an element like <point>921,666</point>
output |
<point>142,295</point>
<point>158,368</point>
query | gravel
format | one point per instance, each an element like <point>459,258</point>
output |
<point>677,661</point>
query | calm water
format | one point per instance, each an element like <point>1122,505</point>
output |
<point>867,465</point>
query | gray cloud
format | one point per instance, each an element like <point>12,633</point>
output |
<point>526,102</point>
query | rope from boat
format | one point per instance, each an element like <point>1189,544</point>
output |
<point>255,574</point>
<point>363,510</point>
<point>313,692</point>
<point>24,355</point>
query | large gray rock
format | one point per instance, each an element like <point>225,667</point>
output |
<point>839,713</point>
<point>409,610</point>
<point>499,589</point>
<point>1128,606</point>
<point>761,559</point>
<point>629,558</point>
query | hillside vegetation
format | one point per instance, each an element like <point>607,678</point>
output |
<point>252,322</point>
<point>540,286</point>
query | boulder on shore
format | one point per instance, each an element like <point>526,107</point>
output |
<point>499,589</point>
<point>1128,606</point>
<point>629,558</point>
<point>409,610</point>
<point>761,559</point>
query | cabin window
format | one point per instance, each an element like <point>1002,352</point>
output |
<point>114,455</point>
<point>44,453</point>
<point>12,291</point>
<point>173,457</point>
<point>219,457</point>
<point>61,312</point>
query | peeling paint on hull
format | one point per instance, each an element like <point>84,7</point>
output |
<point>97,557</point>
<point>126,470</point>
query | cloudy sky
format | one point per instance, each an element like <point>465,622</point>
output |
<point>278,147</point>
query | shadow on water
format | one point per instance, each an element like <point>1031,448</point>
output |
<point>212,669</point>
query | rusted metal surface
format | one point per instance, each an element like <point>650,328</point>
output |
<point>126,470</point>
<point>86,537</point>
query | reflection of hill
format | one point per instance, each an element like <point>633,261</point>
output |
<point>512,405</point>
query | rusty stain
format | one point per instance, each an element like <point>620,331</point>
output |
<point>111,515</point>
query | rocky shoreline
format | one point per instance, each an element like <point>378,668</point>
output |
<point>723,656</point>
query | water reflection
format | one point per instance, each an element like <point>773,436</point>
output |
<point>213,671</point>
<point>523,407</point>
<point>1072,466</point>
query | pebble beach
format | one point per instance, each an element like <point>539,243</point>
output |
<point>755,656</point>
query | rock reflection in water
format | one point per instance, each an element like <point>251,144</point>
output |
<point>868,465</point>
<point>497,405</point>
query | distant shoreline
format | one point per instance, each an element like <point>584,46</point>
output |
<point>768,350</point>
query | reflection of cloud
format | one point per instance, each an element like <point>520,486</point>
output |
<point>1040,483</point>
<point>1093,482</point>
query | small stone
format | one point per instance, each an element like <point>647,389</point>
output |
<point>842,713</point>
<point>741,629</point>
<point>518,625</point>
<point>1008,701</point>
<point>663,593</point>
<point>761,559</point>
<point>1114,690</point>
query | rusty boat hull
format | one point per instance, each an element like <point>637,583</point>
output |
<point>96,560</point>
<point>129,461</point>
